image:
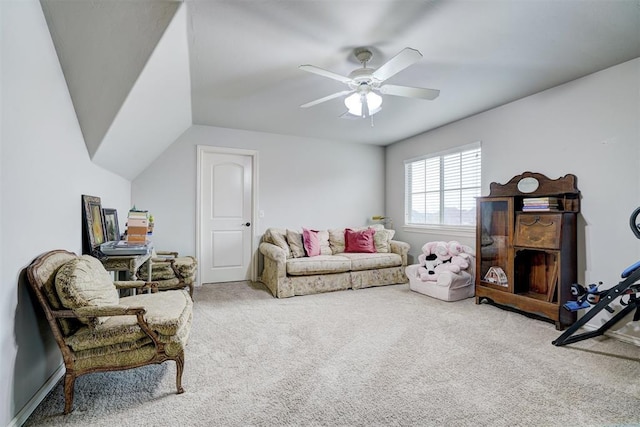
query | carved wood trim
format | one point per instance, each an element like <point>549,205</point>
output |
<point>565,185</point>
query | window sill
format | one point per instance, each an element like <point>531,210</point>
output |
<point>467,231</point>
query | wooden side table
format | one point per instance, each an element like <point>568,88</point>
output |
<point>127,263</point>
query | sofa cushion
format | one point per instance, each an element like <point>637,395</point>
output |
<point>278,237</point>
<point>369,261</point>
<point>83,282</point>
<point>359,240</point>
<point>318,242</point>
<point>311,242</point>
<point>336,240</point>
<point>325,246</point>
<point>168,313</point>
<point>382,238</point>
<point>46,274</point>
<point>320,264</point>
<point>296,244</point>
<point>186,266</point>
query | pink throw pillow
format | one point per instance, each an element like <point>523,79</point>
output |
<point>359,241</point>
<point>311,242</point>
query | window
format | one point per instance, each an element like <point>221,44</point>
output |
<point>441,189</point>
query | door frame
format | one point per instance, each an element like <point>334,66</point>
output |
<point>208,149</point>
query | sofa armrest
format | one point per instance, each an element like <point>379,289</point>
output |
<point>400,248</point>
<point>171,254</point>
<point>107,310</point>
<point>139,285</point>
<point>275,267</point>
<point>163,261</point>
<point>273,252</point>
<point>122,310</point>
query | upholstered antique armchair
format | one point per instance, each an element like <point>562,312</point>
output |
<point>170,271</point>
<point>98,331</point>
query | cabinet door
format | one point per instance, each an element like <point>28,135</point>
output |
<point>494,243</point>
<point>538,230</point>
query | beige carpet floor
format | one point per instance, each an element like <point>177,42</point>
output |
<point>372,357</point>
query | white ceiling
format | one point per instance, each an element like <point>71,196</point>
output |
<point>243,58</point>
<point>480,54</point>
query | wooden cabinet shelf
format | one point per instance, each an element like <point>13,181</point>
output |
<point>526,245</point>
<point>541,297</point>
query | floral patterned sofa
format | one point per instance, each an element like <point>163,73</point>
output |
<point>289,271</point>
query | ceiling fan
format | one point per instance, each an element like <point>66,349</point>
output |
<point>366,84</point>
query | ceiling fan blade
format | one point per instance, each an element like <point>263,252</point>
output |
<point>326,98</point>
<point>402,60</point>
<point>325,73</point>
<point>349,116</point>
<point>410,92</point>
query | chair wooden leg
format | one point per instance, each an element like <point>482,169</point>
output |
<point>179,370</point>
<point>69,382</point>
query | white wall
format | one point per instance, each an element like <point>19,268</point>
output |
<point>45,168</point>
<point>90,37</point>
<point>156,110</point>
<point>301,182</point>
<point>589,127</point>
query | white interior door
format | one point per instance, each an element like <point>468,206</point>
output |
<point>226,209</point>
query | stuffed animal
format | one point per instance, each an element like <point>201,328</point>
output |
<point>461,261</point>
<point>455,248</point>
<point>440,249</point>
<point>432,267</point>
<point>438,257</point>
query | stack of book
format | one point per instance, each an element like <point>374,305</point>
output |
<point>137,226</point>
<point>540,204</point>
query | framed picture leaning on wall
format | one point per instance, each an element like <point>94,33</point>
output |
<point>92,224</point>
<point>111,226</point>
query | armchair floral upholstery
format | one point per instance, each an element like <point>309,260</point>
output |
<point>98,331</point>
<point>170,271</point>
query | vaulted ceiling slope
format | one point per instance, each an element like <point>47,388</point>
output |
<point>241,61</point>
<point>126,65</point>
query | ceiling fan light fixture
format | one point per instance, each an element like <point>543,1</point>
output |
<point>354,103</point>
<point>366,84</point>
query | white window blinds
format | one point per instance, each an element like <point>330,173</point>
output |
<point>442,189</point>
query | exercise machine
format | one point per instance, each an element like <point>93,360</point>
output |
<point>627,291</point>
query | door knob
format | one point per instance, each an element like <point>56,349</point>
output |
<point>247,224</point>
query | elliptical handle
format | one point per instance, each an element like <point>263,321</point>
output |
<point>633,222</point>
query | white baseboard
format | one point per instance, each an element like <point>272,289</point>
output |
<point>32,404</point>
<point>626,338</point>
<point>629,339</point>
